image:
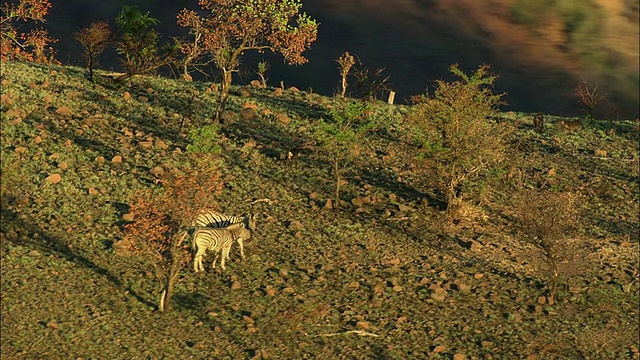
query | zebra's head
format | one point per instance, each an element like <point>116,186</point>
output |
<point>250,221</point>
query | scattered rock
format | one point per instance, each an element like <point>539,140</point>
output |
<point>357,201</point>
<point>397,288</point>
<point>236,285</point>
<point>92,191</point>
<point>600,152</point>
<point>293,89</point>
<point>269,291</point>
<point>458,356</point>
<point>159,144</point>
<point>313,195</point>
<point>64,111</point>
<point>244,91</point>
<point>256,84</point>
<point>438,293</point>
<point>551,172</point>
<point>5,100</point>
<point>463,288</point>
<point>52,325</point>
<point>228,117</point>
<point>439,349</point>
<point>475,246</point>
<point>404,208</point>
<point>157,171</point>
<point>63,165</point>
<point>20,150</point>
<point>283,119</point>
<point>364,325</point>
<point>278,92</point>
<point>53,178</point>
<point>116,159</point>
<point>143,99</point>
<point>34,253</point>
<point>128,216</point>
<point>295,225</point>
<point>126,96</point>
<point>541,300</point>
<point>100,159</point>
<point>328,204</point>
<point>478,275</point>
<point>248,114</point>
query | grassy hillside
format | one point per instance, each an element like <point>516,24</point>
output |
<point>387,276</point>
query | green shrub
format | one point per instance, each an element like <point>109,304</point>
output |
<point>456,138</point>
<point>205,140</point>
<point>342,135</point>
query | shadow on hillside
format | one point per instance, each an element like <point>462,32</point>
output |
<point>15,230</point>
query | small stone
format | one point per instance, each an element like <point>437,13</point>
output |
<point>248,114</point>
<point>236,285</point>
<point>127,217</point>
<point>463,288</point>
<point>551,172</point>
<point>63,165</point>
<point>364,325</point>
<point>100,159</point>
<point>357,201</point>
<point>34,253</point>
<point>93,191</point>
<point>283,119</point>
<point>116,159</point>
<point>328,204</point>
<point>53,178</point>
<point>157,171</point>
<point>126,96</point>
<point>244,91</point>
<point>269,291</point>
<point>439,294</point>
<point>313,195</point>
<point>439,349</point>
<point>478,275</point>
<point>143,99</point>
<point>542,300</point>
<point>64,111</point>
<point>458,356</point>
<point>600,152</point>
<point>20,150</point>
<point>161,145</point>
<point>37,140</point>
<point>53,325</point>
<point>256,84</point>
<point>397,288</point>
<point>150,91</point>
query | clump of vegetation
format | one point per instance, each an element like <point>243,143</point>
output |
<point>94,39</point>
<point>457,140</point>
<point>138,43</point>
<point>34,45</point>
<point>205,139</point>
<point>546,219</point>
<point>345,62</point>
<point>162,218</point>
<point>342,136</point>
<point>263,67</point>
<point>232,28</point>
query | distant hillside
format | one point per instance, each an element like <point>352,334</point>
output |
<point>541,49</point>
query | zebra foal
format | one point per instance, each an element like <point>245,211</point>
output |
<point>218,241</point>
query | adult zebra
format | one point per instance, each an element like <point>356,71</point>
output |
<point>218,241</point>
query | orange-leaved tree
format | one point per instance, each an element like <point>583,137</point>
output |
<point>34,45</point>
<point>162,217</point>
<point>232,27</point>
<point>94,39</point>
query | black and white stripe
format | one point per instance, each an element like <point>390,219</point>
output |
<point>218,241</point>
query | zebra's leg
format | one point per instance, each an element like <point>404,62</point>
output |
<point>225,255</point>
<point>215,258</point>
<point>240,242</point>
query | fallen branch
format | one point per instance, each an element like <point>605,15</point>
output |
<point>357,332</point>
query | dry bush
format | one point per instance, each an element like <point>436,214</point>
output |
<point>94,39</point>
<point>456,138</point>
<point>589,97</point>
<point>33,46</point>
<point>162,217</point>
<point>546,220</point>
<point>345,62</point>
<point>369,84</point>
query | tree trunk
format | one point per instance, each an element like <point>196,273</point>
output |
<point>336,169</point>
<point>224,93</point>
<point>90,65</point>
<point>172,276</point>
